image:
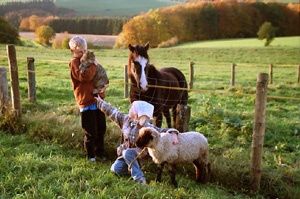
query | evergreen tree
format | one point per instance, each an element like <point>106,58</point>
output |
<point>8,34</point>
<point>266,31</point>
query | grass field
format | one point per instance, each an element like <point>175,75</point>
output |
<point>244,43</point>
<point>224,114</point>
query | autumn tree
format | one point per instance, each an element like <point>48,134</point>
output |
<point>202,20</point>
<point>24,24</point>
<point>266,31</point>
<point>44,34</point>
<point>150,27</point>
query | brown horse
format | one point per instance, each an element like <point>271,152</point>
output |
<point>153,86</point>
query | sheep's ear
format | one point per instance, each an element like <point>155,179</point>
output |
<point>144,138</point>
<point>154,134</point>
<point>131,48</point>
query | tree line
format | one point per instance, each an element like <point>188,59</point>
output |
<point>15,11</point>
<point>43,5</point>
<point>100,26</point>
<point>29,15</point>
<point>203,20</point>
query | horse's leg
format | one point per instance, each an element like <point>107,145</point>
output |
<point>168,117</point>
<point>172,172</point>
<point>158,119</point>
<point>174,114</point>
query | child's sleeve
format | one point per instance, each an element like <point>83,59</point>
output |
<point>112,112</point>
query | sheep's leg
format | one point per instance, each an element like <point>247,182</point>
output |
<point>202,171</point>
<point>159,172</point>
<point>172,171</point>
<point>197,169</point>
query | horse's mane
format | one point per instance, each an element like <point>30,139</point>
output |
<point>130,60</point>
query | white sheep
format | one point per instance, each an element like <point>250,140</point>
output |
<point>192,147</point>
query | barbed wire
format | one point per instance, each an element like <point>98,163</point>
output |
<point>179,88</point>
<point>216,91</point>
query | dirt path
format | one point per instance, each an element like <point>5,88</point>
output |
<point>98,40</point>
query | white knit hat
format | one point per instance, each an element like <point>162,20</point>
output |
<point>140,108</point>
<point>78,43</point>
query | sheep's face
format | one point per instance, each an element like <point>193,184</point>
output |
<point>146,137</point>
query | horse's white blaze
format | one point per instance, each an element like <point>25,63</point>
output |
<point>143,81</point>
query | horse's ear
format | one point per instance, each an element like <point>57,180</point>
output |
<point>131,48</point>
<point>146,46</point>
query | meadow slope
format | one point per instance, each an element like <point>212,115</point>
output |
<point>223,113</point>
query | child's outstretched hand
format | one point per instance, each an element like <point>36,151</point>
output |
<point>99,101</point>
<point>98,98</point>
<point>102,94</point>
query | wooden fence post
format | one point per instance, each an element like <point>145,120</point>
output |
<point>125,82</point>
<point>298,74</point>
<point>271,73</point>
<point>191,75</point>
<point>4,98</point>
<point>13,67</point>
<point>258,130</point>
<point>233,74</point>
<point>31,79</point>
<point>183,114</point>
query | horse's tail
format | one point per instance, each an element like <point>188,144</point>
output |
<point>182,83</point>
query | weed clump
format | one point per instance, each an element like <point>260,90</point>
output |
<point>10,123</point>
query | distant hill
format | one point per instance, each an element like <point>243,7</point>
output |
<point>113,7</point>
<point>109,7</point>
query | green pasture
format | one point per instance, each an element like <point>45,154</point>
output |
<point>51,130</point>
<point>244,43</point>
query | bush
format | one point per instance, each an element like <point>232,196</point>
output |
<point>61,42</point>
<point>266,31</point>
<point>65,43</point>
<point>170,42</point>
<point>44,34</point>
<point>8,34</point>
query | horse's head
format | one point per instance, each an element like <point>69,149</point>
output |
<point>140,59</point>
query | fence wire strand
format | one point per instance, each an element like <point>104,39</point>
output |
<point>217,92</point>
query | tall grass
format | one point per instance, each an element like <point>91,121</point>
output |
<point>224,114</point>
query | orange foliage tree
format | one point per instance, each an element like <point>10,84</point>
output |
<point>150,27</point>
<point>202,20</point>
<point>33,22</point>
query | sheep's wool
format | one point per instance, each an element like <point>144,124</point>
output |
<point>192,145</point>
